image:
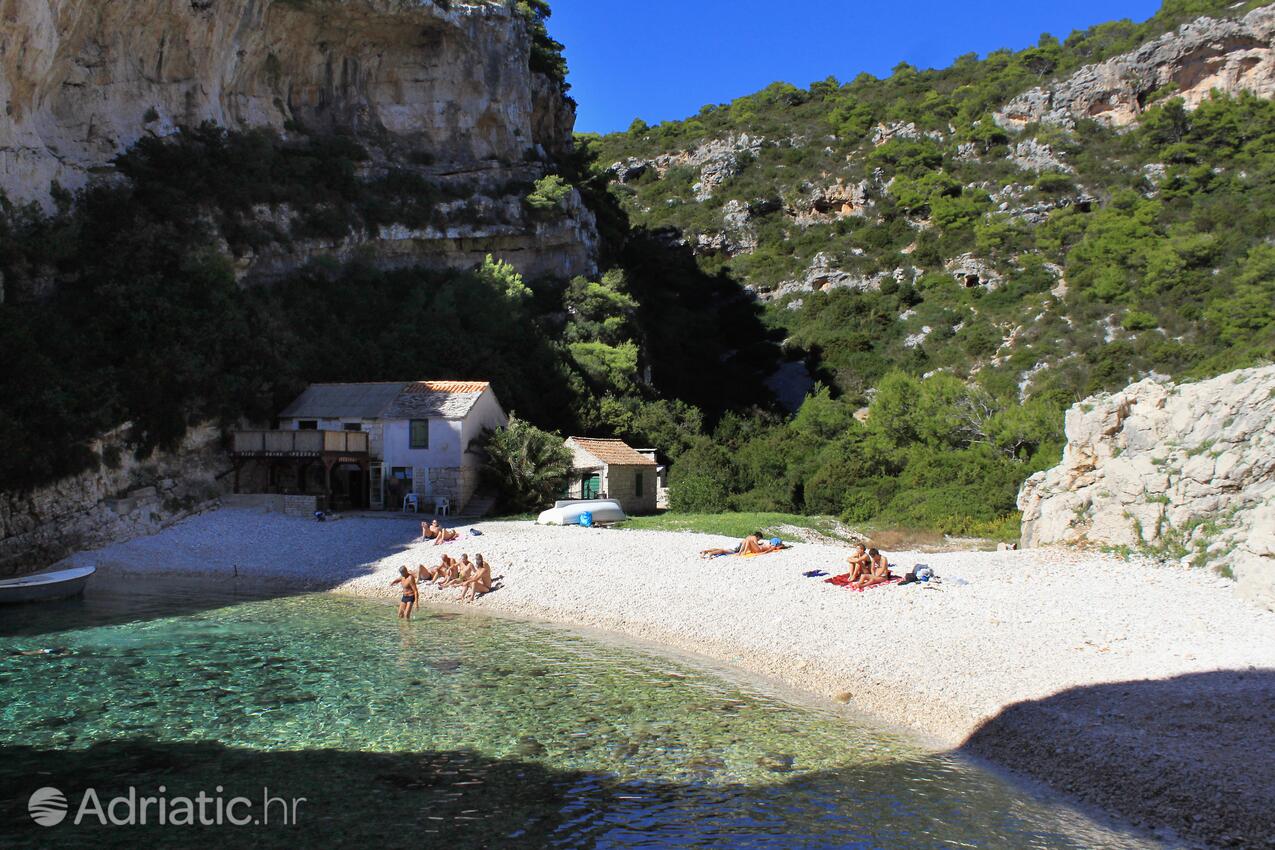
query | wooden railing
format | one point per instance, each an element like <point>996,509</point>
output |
<point>299,443</point>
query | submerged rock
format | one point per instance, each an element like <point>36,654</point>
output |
<point>777,762</point>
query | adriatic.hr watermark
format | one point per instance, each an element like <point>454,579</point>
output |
<point>50,807</point>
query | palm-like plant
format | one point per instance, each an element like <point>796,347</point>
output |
<point>527,466</point>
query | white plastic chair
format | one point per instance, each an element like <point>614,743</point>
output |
<point>442,505</point>
<point>412,500</point>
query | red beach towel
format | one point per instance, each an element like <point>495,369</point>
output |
<point>844,581</point>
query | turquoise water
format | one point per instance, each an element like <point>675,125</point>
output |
<point>465,731</point>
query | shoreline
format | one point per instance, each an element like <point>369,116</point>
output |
<point>1010,661</point>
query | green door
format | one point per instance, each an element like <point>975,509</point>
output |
<point>590,486</point>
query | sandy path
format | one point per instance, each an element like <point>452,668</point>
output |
<point>1038,626</point>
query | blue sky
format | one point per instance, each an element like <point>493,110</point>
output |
<point>662,59</point>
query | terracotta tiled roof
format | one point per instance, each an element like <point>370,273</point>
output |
<point>613,452</point>
<point>446,387</point>
<point>393,400</point>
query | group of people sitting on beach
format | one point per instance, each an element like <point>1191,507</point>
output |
<point>868,568</point>
<point>434,531</point>
<point>472,577</point>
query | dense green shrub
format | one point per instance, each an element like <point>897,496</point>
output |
<point>528,467</point>
<point>702,480</point>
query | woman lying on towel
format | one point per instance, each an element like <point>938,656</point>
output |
<point>439,534</point>
<point>753,544</point>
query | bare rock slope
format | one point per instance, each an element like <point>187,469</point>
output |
<point>415,81</point>
<point>1206,54</point>
<point>1186,470</point>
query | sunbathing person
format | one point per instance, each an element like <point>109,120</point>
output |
<point>446,571</point>
<point>750,545</point>
<point>408,601</point>
<point>479,581</point>
<point>427,574</point>
<point>427,530</point>
<point>878,571</point>
<point>464,570</point>
<point>443,535</point>
<point>859,562</point>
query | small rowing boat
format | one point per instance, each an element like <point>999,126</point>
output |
<point>41,587</point>
<point>567,512</point>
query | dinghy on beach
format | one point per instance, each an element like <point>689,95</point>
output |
<point>41,587</point>
<point>568,512</point>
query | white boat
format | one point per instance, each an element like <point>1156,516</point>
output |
<point>59,584</point>
<point>568,512</point>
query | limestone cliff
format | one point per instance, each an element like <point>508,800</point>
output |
<point>415,81</point>
<point>1187,471</point>
<point>128,496</point>
<point>1206,54</point>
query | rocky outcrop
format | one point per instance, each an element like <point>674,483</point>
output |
<point>447,83</point>
<point>737,235</point>
<point>1206,54</point>
<point>822,204</point>
<point>489,219</point>
<point>822,275</point>
<point>1186,471</point>
<point>717,160</point>
<point>971,271</point>
<point>883,133</point>
<point>1034,155</point>
<point>126,497</point>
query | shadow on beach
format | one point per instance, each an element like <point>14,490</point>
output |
<point>1194,752</point>
<point>211,561</point>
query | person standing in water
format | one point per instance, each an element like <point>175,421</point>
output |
<point>408,602</point>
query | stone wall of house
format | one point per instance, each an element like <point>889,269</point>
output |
<point>125,497</point>
<point>621,485</point>
<point>444,482</point>
<point>470,478</point>
<point>302,506</point>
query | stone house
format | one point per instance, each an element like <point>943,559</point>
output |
<point>611,469</point>
<point>419,433</point>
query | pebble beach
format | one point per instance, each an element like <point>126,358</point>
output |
<point>1007,656</point>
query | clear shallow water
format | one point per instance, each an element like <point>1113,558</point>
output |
<point>467,731</point>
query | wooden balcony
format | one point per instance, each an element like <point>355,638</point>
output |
<point>300,444</point>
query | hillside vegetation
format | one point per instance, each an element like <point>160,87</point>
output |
<point>123,306</point>
<point>960,282</point>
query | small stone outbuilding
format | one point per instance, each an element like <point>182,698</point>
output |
<point>611,469</point>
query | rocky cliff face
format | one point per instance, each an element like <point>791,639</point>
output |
<point>1228,55</point>
<point>1206,54</point>
<point>1186,471</point>
<point>413,81</point>
<point>125,498</point>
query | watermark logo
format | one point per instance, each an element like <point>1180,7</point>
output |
<point>47,806</point>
